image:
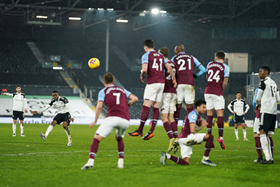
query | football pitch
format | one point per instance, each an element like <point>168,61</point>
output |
<point>30,161</point>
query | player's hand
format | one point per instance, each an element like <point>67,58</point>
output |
<point>194,75</point>
<point>34,112</point>
<point>243,113</point>
<point>25,110</point>
<point>2,93</point>
<point>72,119</point>
<point>92,124</point>
<point>142,78</point>
<point>234,112</point>
<point>174,83</point>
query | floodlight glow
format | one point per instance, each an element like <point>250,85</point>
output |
<point>122,20</point>
<point>110,9</point>
<point>57,68</point>
<point>75,18</point>
<point>100,8</point>
<point>89,8</point>
<point>144,11</point>
<point>42,17</point>
<point>142,14</point>
<point>163,11</point>
<point>155,11</point>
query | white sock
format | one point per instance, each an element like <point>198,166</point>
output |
<point>90,162</point>
<point>68,135</point>
<point>264,144</point>
<point>269,148</point>
<point>50,128</point>
<point>236,132</point>
<point>21,128</point>
<point>205,158</point>
<point>14,128</point>
<point>168,156</point>
<point>120,163</point>
<point>244,133</point>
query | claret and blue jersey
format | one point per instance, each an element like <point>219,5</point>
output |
<point>192,117</point>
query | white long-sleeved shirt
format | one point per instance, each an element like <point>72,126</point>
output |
<point>19,101</point>
<point>61,104</point>
<point>269,95</point>
<point>238,106</point>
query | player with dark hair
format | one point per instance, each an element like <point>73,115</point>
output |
<point>153,64</point>
<point>168,105</point>
<point>185,64</point>
<point>64,115</point>
<point>117,118</point>
<point>190,137</point>
<point>236,107</point>
<point>217,79</point>
<point>19,107</point>
<point>268,94</point>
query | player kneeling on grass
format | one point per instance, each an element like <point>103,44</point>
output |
<point>190,137</point>
<point>117,118</point>
<point>64,115</point>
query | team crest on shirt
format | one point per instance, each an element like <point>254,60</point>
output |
<point>193,116</point>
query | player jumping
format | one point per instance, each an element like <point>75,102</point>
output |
<point>190,137</point>
<point>217,79</point>
<point>64,115</point>
<point>168,105</point>
<point>117,118</point>
<point>153,64</point>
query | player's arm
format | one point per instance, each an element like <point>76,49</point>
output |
<point>230,105</point>
<point>203,124</point>
<point>8,94</point>
<point>67,105</point>
<point>25,104</point>
<point>226,76</point>
<point>260,92</point>
<point>225,82</point>
<point>42,110</point>
<point>170,70</point>
<point>97,113</point>
<point>192,127</point>
<point>144,69</point>
<point>132,99</point>
<point>201,68</point>
<point>254,99</point>
<point>277,96</point>
<point>247,107</point>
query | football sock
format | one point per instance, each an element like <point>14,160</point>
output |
<point>21,128</point>
<point>271,144</point>
<point>93,148</point>
<point>67,131</point>
<point>244,133</point>
<point>174,127</point>
<point>264,144</point>
<point>189,109</point>
<point>258,146</point>
<point>177,113</point>
<point>155,117</point>
<point>168,130</point>
<point>209,120</point>
<point>14,128</point>
<point>221,126</point>
<point>236,132</point>
<point>269,147</point>
<point>178,160</point>
<point>143,118</point>
<point>208,145</point>
<point>120,147</point>
<point>49,129</point>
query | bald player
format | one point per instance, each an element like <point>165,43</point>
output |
<point>184,64</point>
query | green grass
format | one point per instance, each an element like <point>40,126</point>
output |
<point>29,161</point>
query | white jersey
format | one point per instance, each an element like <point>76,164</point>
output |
<point>20,103</point>
<point>238,106</point>
<point>61,104</point>
<point>269,95</point>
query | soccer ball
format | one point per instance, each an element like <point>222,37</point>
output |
<point>93,63</point>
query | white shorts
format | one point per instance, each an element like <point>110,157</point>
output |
<point>168,105</point>
<point>214,102</point>
<point>112,123</point>
<point>154,92</point>
<point>185,91</point>
<point>186,150</point>
<point>257,126</point>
